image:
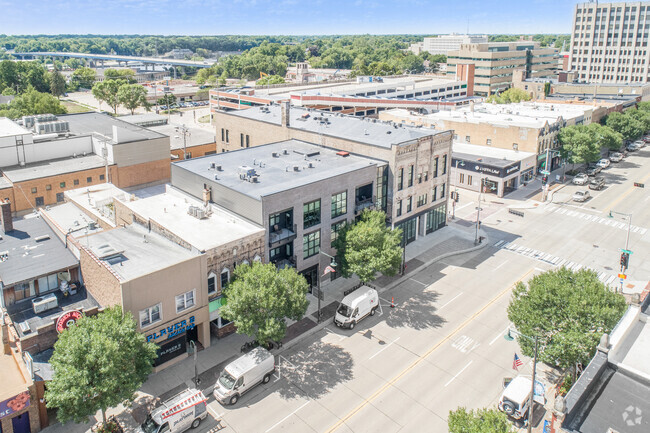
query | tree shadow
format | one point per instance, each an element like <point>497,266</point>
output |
<point>416,312</point>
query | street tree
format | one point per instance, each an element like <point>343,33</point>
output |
<point>106,91</point>
<point>368,246</point>
<point>98,363</point>
<point>606,137</point>
<point>132,96</point>
<point>32,102</point>
<point>511,95</point>
<point>167,99</point>
<point>260,299</point>
<point>57,83</point>
<point>569,312</point>
<point>84,77</point>
<point>642,116</point>
<point>462,420</point>
<point>626,125</point>
<point>579,144</point>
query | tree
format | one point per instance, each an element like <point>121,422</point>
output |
<point>642,116</point>
<point>57,83</point>
<point>606,137</point>
<point>120,74</point>
<point>480,421</point>
<point>132,96</point>
<point>32,102</point>
<point>84,77</point>
<point>98,363</point>
<point>512,95</point>
<point>626,125</point>
<point>106,91</point>
<point>368,246</point>
<point>168,99</point>
<point>569,312</point>
<point>579,144</point>
<point>270,79</point>
<point>261,297</point>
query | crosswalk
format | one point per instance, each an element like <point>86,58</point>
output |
<point>563,210</point>
<point>541,256</point>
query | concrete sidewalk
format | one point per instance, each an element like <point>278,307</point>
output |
<point>450,240</point>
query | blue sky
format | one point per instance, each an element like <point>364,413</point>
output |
<point>215,17</point>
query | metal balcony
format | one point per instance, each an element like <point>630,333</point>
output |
<point>367,203</point>
<point>282,235</point>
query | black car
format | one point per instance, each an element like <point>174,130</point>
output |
<point>592,171</point>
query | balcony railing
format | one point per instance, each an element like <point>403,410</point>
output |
<point>282,234</point>
<point>287,262</point>
<point>364,204</point>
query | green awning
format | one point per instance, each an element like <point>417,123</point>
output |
<point>217,303</point>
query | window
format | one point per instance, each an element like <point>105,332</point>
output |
<point>48,187</point>
<point>434,194</point>
<point>102,177</point>
<point>248,141</point>
<point>336,228</point>
<point>150,315</point>
<point>59,197</point>
<point>241,140</point>
<point>62,185</point>
<point>435,167</point>
<point>34,190</point>
<point>23,290</point>
<point>409,204</point>
<point>76,182</point>
<point>212,282</point>
<point>311,213</point>
<point>467,139</point>
<point>227,136</point>
<point>444,164</point>
<point>187,155</point>
<point>185,301</point>
<point>410,176</point>
<point>339,204</point>
<point>488,142</point>
<point>461,178</point>
<point>40,201</point>
<point>310,244</point>
<point>223,134</point>
<point>442,190</point>
<point>400,179</point>
<point>422,200</point>
<point>469,179</point>
<point>225,278</point>
<point>399,207</point>
<point>89,179</point>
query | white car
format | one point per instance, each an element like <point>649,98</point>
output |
<point>581,195</point>
<point>616,157</point>
<point>603,163</point>
<point>580,179</point>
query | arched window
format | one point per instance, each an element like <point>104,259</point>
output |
<point>257,258</point>
<point>225,278</point>
<point>212,283</point>
<point>245,262</point>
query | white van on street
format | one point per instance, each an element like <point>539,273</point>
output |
<point>181,412</point>
<point>362,302</point>
<point>244,373</point>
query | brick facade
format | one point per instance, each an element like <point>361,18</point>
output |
<point>196,151</point>
<point>100,280</point>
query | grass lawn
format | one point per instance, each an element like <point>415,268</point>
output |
<point>73,107</point>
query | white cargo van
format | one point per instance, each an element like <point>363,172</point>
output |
<point>514,398</point>
<point>243,374</point>
<point>177,414</point>
<point>362,302</point>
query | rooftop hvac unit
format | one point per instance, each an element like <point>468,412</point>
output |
<point>275,155</point>
<point>219,168</point>
<point>296,168</point>
<point>44,303</point>
<point>200,214</point>
<point>24,327</point>
<point>246,171</point>
<point>255,179</point>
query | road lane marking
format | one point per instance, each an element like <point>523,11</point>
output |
<point>458,374</point>
<point>415,363</point>
<point>449,302</point>
<point>502,263</point>
<point>498,336</point>
<point>465,344</point>
<point>387,346</point>
<point>419,282</point>
<point>286,417</point>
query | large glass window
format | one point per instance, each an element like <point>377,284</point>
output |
<point>185,301</point>
<point>150,315</point>
<point>400,179</point>
<point>336,228</point>
<point>339,204</point>
<point>310,244</point>
<point>410,176</point>
<point>311,213</point>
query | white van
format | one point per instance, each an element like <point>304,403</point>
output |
<point>179,413</point>
<point>514,398</point>
<point>362,302</point>
<point>243,374</point>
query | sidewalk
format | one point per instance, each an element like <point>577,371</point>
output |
<point>450,240</point>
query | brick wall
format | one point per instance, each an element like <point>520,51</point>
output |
<point>196,151</point>
<point>123,215</point>
<point>100,280</point>
<point>146,173</point>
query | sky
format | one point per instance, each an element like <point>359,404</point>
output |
<point>284,17</point>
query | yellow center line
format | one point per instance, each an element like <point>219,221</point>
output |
<point>421,358</point>
<point>625,194</point>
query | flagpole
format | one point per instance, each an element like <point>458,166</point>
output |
<point>532,391</point>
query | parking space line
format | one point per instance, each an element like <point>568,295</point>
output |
<point>214,413</point>
<point>502,263</point>
<point>498,336</point>
<point>458,374</point>
<point>419,282</point>
<point>286,417</point>
<point>450,301</point>
<point>384,348</point>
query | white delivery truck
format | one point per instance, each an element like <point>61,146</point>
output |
<point>514,398</point>
<point>362,302</point>
<point>243,374</point>
<point>179,413</point>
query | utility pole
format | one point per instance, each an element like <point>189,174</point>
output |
<point>453,202</point>
<point>478,211</point>
<point>185,131</point>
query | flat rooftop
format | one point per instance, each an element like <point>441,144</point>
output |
<point>33,250</point>
<point>388,83</point>
<point>13,382</point>
<point>276,174</point>
<point>93,122</point>
<point>170,210</point>
<point>133,251</point>
<point>72,220</point>
<point>53,167</point>
<point>10,128</point>
<point>144,119</point>
<point>488,155</point>
<point>194,137</point>
<point>361,130</point>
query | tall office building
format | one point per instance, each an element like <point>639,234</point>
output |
<point>442,44</point>
<point>609,42</point>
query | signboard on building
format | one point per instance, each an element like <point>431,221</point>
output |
<point>14,404</point>
<point>486,168</point>
<point>67,319</point>
<point>173,330</point>
<point>170,350</point>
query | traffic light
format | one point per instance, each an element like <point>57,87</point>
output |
<point>625,259</point>
<point>454,196</point>
<point>544,180</point>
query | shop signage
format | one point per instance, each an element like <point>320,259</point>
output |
<point>67,319</point>
<point>170,350</point>
<point>15,404</point>
<point>488,169</point>
<point>173,330</point>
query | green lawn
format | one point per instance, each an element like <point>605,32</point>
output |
<point>73,107</point>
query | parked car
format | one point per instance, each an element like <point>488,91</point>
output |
<point>616,157</point>
<point>581,195</point>
<point>631,147</point>
<point>244,373</point>
<point>640,144</point>
<point>356,306</point>
<point>580,179</point>
<point>515,397</point>
<point>603,163</point>
<point>597,183</point>
<point>179,413</point>
<point>592,171</point>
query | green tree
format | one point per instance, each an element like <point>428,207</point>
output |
<point>98,363</point>
<point>642,116</point>
<point>569,312</point>
<point>32,102</point>
<point>132,96</point>
<point>84,77</point>
<point>606,137</point>
<point>261,297</point>
<point>167,99</point>
<point>643,106</point>
<point>511,95</point>
<point>120,74</point>
<point>626,125</point>
<point>57,83</point>
<point>270,79</point>
<point>106,91</point>
<point>462,420</point>
<point>368,246</point>
<point>579,144</point>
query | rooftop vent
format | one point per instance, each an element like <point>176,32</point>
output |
<point>343,153</point>
<point>285,151</point>
<point>296,168</point>
<point>213,165</point>
<point>310,165</point>
<point>275,155</point>
<point>219,168</point>
<point>42,238</point>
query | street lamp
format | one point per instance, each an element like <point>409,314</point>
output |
<point>535,339</point>
<point>453,203</point>
<point>196,372</point>
<point>478,210</point>
<point>318,292</point>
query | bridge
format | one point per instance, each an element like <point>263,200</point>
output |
<point>103,57</point>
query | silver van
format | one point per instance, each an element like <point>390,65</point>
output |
<point>244,373</point>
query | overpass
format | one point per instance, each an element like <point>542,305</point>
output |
<point>103,57</point>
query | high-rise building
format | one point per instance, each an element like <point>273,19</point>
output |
<point>442,44</point>
<point>609,42</point>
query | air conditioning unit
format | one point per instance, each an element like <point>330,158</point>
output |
<point>44,303</point>
<point>24,327</point>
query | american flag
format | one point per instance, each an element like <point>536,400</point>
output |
<point>516,363</point>
<point>329,269</point>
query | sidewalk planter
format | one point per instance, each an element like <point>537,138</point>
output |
<point>110,426</point>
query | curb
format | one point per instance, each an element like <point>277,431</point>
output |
<point>320,326</point>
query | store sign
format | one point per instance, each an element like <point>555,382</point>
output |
<point>15,404</point>
<point>173,330</point>
<point>170,350</point>
<point>487,169</point>
<point>67,319</point>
